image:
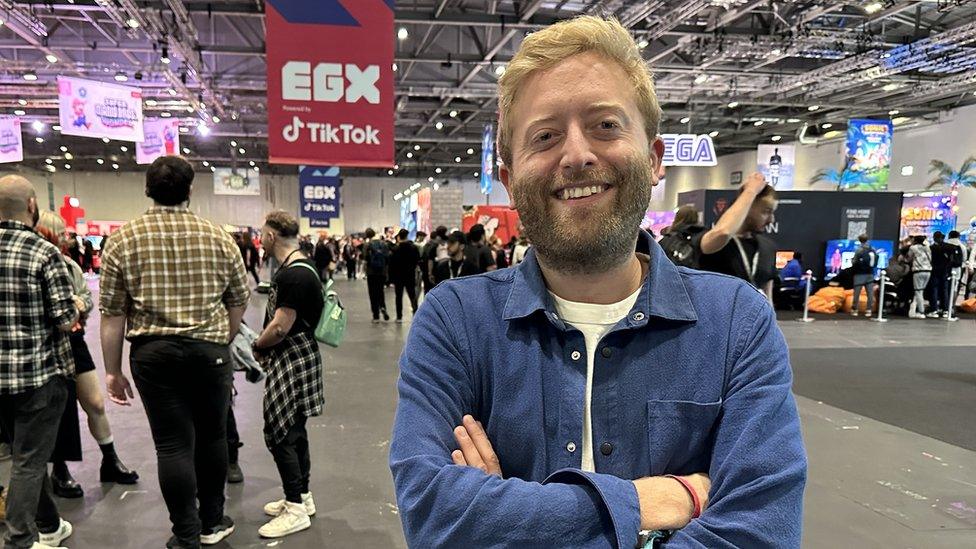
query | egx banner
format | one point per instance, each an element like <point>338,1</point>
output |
<point>97,109</point>
<point>868,154</point>
<point>11,141</point>
<point>161,137</point>
<point>318,191</point>
<point>330,82</point>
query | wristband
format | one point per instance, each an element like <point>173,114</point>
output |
<point>694,495</point>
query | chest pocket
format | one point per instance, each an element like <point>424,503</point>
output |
<point>679,435</point>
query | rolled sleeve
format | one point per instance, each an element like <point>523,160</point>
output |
<point>617,495</point>
<point>758,464</point>
<point>237,293</point>
<point>59,292</point>
<point>113,297</point>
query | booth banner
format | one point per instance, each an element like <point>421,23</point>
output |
<point>318,190</point>
<point>161,137</point>
<point>11,140</point>
<point>777,163</point>
<point>487,159</point>
<point>408,216</point>
<point>97,109</point>
<point>103,228</point>
<point>424,210</point>
<point>688,149</point>
<point>868,154</point>
<point>241,182</point>
<point>330,82</point>
<point>856,221</point>
<point>500,221</point>
<point>657,221</point>
<point>927,214</point>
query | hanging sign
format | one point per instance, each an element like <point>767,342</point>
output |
<point>11,141</point>
<point>487,159</point>
<point>776,163</point>
<point>240,182</point>
<point>330,82</point>
<point>688,149</point>
<point>161,137</point>
<point>97,109</point>
<point>318,191</point>
<point>868,160</point>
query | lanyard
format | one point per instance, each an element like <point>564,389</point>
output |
<point>450,270</point>
<point>287,257</point>
<point>750,270</point>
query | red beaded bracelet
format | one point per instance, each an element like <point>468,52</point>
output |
<point>694,495</point>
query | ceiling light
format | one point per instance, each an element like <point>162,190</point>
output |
<point>416,147</point>
<point>642,43</point>
<point>49,161</point>
<point>395,67</point>
<point>64,149</point>
<point>123,148</point>
<point>436,187</point>
<point>121,77</point>
<point>115,166</point>
<point>233,143</point>
<point>22,102</point>
<point>733,104</point>
<point>430,179</point>
<point>439,125</point>
<point>172,92</point>
<point>241,150</point>
<point>30,76</point>
<point>812,108</point>
<point>776,137</point>
<point>257,169</point>
<point>67,166</point>
<point>213,169</point>
<point>900,120</point>
<point>56,127</point>
<point>20,112</point>
<point>476,174</point>
<point>457,159</point>
<point>893,112</point>
<point>186,150</point>
<point>758,123</point>
<point>907,170</point>
<point>184,129</point>
<point>51,58</point>
<point>470,151</point>
<point>203,130</point>
<point>100,161</point>
<point>165,114</point>
<point>252,163</point>
<point>826,125</point>
<point>453,114</point>
<point>402,34</point>
<point>890,87</point>
<point>701,78</point>
<point>396,166</point>
<point>873,7</point>
<point>500,70</point>
<point>216,119</point>
<point>39,139</point>
<point>793,120</point>
<point>38,126</point>
<point>104,140</point>
<point>206,164</point>
<point>189,108</point>
<point>713,133</point>
<point>133,24</point>
<point>438,170</point>
<point>165,58</point>
<point>150,102</point>
<point>685,120</point>
<point>409,154</point>
<point>831,134</point>
<point>69,156</point>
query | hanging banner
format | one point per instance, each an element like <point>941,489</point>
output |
<point>487,159</point>
<point>98,109</point>
<point>688,149</point>
<point>161,137</point>
<point>240,182</point>
<point>11,140</point>
<point>777,163</point>
<point>868,154</point>
<point>424,210</point>
<point>318,191</point>
<point>330,82</point>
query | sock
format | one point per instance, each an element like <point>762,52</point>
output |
<point>108,450</point>
<point>107,440</point>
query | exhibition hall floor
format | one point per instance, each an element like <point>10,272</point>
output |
<point>888,414</point>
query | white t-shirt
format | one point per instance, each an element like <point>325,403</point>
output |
<point>594,321</point>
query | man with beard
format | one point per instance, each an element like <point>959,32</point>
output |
<point>596,395</point>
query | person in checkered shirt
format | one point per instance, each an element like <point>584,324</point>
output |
<point>179,283</point>
<point>38,311</point>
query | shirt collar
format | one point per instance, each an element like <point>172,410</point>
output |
<point>16,225</point>
<point>169,209</point>
<point>663,283</point>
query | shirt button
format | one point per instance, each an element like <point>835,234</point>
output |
<point>638,316</point>
<point>606,448</point>
<point>576,355</point>
<point>571,447</point>
<point>606,352</point>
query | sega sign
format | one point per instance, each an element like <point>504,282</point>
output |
<point>686,149</point>
<point>330,82</point>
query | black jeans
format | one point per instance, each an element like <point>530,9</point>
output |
<point>31,420</point>
<point>398,287</point>
<point>940,292</point>
<point>233,437</point>
<point>185,386</point>
<point>253,269</point>
<point>293,461</point>
<point>377,293</point>
<point>351,269</point>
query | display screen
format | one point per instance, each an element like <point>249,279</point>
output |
<point>840,255</point>
<point>782,258</point>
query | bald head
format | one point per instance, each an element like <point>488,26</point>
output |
<point>17,198</point>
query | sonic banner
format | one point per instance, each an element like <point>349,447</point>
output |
<point>162,138</point>
<point>868,154</point>
<point>11,143</point>
<point>330,82</point>
<point>97,109</point>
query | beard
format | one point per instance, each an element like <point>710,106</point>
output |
<point>590,240</point>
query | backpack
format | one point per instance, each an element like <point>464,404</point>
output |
<point>679,248</point>
<point>864,261</point>
<point>331,327</point>
<point>379,255</point>
<point>955,257</point>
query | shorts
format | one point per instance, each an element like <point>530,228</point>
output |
<point>79,350</point>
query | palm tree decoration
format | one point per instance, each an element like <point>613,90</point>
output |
<point>844,178</point>
<point>946,176</point>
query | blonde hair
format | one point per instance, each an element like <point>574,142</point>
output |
<point>546,48</point>
<point>51,227</point>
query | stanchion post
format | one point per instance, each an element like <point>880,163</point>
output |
<point>806,299</point>
<point>881,294</point>
<point>953,288</point>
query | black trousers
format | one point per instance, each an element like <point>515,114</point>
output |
<point>31,420</point>
<point>233,437</point>
<point>351,269</point>
<point>293,460</point>
<point>377,296</point>
<point>398,287</point>
<point>185,386</point>
<point>940,292</point>
<point>253,269</point>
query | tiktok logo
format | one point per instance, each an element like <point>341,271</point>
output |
<point>292,132</point>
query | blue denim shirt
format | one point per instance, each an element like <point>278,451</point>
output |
<point>695,379</point>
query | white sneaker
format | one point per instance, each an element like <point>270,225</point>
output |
<point>275,508</point>
<point>917,316</point>
<point>55,538</point>
<point>42,546</point>
<point>293,518</point>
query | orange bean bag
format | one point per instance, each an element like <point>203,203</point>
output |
<point>820,304</point>
<point>968,306</point>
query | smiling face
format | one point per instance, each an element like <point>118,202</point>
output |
<point>582,164</point>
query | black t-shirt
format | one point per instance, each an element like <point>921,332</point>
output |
<point>447,269</point>
<point>297,288</point>
<point>759,249</point>
<point>403,262</point>
<point>479,255</point>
